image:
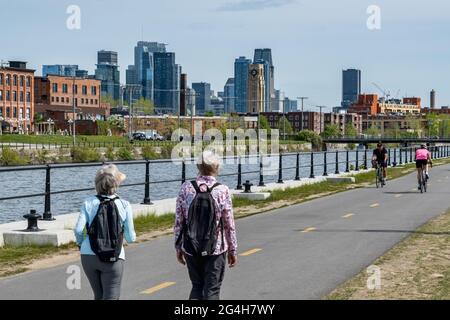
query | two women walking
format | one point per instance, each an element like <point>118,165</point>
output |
<point>204,230</point>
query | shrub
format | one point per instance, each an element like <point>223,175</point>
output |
<point>41,156</point>
<point>85,154</point>
<point>11,157</point>
<point>110,153</point>
<point>166,152</point>
<point>125,153</point>
<point>148,153</point>
<point>310,136</point>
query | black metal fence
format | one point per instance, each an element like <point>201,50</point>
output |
<point>362,159</point>
<point>57,145</point>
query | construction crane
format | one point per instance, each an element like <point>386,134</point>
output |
<point>386,94</point>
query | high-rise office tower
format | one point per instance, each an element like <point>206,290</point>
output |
<point>241,67</point>
<point>166,83</point>
<point>228,96</point>
<point>256,88</point>
<point>433,99</point>
<point>183,91</point>
<point>142,73</point>
<point>203,97</point>
<point>264,56</point>
<point>351,86</point>
<point>108,73</point>
<point>68,70</point>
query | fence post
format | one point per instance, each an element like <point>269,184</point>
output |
<point>337,163</point>
<point>183,172</point>
<point>312,166</point>
<point>47,208</point>
<point>261,176</point>
<point>394,164</point>
<point>280,169</point>
<point>365,158</point>
<point>401,157</point>
<point>325,167</point>
<point>239,183</point>
<point>347,167</point>
<point>297,167</point>
<point>410,154</point>
<point>147,184</point>
<point>389,157</point>
<point>357,160</point>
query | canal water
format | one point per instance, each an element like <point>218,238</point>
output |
<point>31,182</point>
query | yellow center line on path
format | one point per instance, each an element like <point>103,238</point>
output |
<point>348,215</point>
<point>250,252</point>
<point>158,287</point>
<point>374,205</point>
<point>308,229</point>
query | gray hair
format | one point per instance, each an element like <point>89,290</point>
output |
<point>108,179</point>
<point>208,163</point>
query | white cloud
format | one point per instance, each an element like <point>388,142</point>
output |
<point>250,5</point>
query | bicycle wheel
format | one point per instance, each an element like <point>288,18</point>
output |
<point>424,179</point>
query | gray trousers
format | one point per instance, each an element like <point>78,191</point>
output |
<point>206,274</point>
<point>105,278</point>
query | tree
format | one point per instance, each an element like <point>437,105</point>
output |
<point>285,126</point>
<point>145,106</point>
<point>264,123</point>
<point>108,99</point>
<point>38,118</point>
<point>330,131</point>
<point>433,124</point>
<point>209,113</point>
<point>350,130</point>
<point>310,136</point>
<point>373,131</point>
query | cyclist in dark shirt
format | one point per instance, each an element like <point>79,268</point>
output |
<point>380,156</point>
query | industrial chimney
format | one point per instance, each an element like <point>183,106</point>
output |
<point>433,99</point>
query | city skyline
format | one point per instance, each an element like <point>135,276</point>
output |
<point>310,64</point>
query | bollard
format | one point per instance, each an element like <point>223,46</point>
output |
<point>261,176</point>
<point>147,184</point>
<point>297,167</point>
<point>32,218</point>
<point>47,216</point>
<point>347,167</point>
<point>357,160</point>
<point>337,163</point>
<point>280,169</point>
<point>325,173</point>
<point>247,187</point>
<point>312,166</point>
<point>239,183</point>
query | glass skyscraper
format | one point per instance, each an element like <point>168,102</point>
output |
<point>166,83</point>
<point>108,73</point>
<point>351,86</point>
<point>203,97</point>
<point>241,68</point>
<point>264,56</point>
<point>68,70</point>
<point>228,96</point>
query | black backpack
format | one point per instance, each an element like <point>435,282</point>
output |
<point>106,230</point>
<point>199,231</point>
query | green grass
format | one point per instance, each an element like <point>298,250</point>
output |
<point>144,224</point>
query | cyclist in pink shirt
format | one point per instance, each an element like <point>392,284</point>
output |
<point>422,158</point>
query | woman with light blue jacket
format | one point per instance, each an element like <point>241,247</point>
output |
<point>105,277</point>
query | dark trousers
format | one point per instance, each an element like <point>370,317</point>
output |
<point>206,274</point>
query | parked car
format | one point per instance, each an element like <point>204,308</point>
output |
<point>139,136</point>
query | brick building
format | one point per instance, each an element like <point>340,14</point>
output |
<point>16,97</point>
<point>311,120</point>
<point>342,119</point>
<point>55,95</point>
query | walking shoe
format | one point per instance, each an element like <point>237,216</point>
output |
<point>427,175</point>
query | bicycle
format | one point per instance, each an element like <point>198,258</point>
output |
<point>379,177</point>
<point>423,178</point>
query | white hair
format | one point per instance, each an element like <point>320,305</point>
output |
<point>108,179</point>
<point>208,163</point>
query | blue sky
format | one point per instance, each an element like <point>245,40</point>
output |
<point>311,40</point>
